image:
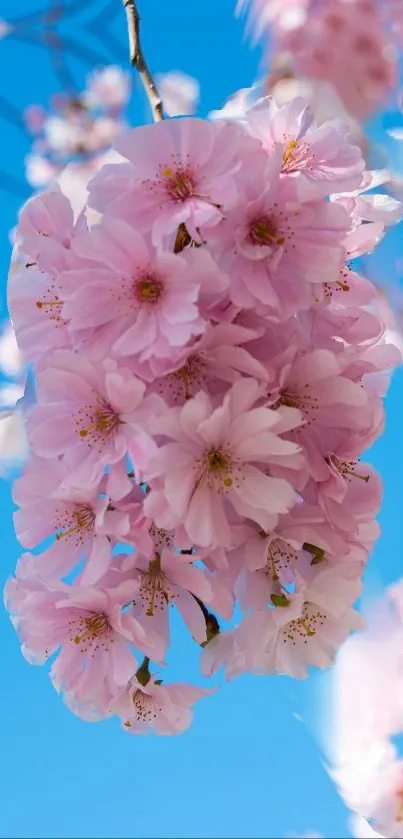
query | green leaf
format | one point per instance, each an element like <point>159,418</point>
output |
<point>318,554</point>
<point>279,600</point>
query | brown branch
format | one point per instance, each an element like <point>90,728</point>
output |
<point>138,61</point>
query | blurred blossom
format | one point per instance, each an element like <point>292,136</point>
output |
<point>396,133</point>
<point>74,179</point>
<point>10,394</point>
<point>308,35</point>
<point>367,712</point>
<point>179,93</point>
<point>107,88</point>
<point>5,28</point>
<point>11,359</point>
<point>236,106</point>
<point>321,97</point>
<point>390,310</point>
<point>14,400</point>
<point>13,441</point>
<point>35,117</point>
<point>360,828</point>
<point>76,129</point>
<point>39,171</point>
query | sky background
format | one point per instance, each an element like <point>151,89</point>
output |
<point>250,764</point>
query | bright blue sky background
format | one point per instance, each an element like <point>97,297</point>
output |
<point>247,767</point>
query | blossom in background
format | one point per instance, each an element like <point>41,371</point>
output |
<point>306,36</point>
<point>179,93</point>
<point>5,28</point>
<point>360,828</point>
<point>13,441</point>
<point>238,103</point>
<point>367,713</point>
<point>107,89</point>
<point>305,57</point>
<point>77,129</point>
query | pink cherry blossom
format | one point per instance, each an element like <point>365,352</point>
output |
<point>285,246</point>
<point>215,359</point>
<point>322,154</point>
<point>164,709</point>
<point>182,173</point>
<point>306,631</point>
<point>36,299</point>
<point>45,230</point>
<point>146,303</point>
<point>89,628</point>
<point>169,578</point>
<point>89,411</point>
<point>81,518</point>
<point>214,451</point>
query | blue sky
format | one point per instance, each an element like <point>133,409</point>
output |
<point>248,766</point>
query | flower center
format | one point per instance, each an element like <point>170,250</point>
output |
<point>91,633</point>
<point>148,289</point>
<point>154,591</point>
<point>338,285</point>
<point>97,425</point>
<point>290,151</point>
<point>290,400</point>
<point>304,627</point>
<point>264,231</point>
<point>279,557</point>
<point>346,468</point>
<point>146,709</point>
<point>182,381</point>
<point>51,305</point>
<point>219,463</point>
<point>161,538</point>
<point>179,183</point>
<point>219,470</point>
<point>296,156</point>
<point>78,522</point>
<point>303,400</point>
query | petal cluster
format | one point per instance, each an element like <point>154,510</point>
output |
<point>209,372</point>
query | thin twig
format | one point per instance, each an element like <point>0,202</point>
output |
<point>138,61</point>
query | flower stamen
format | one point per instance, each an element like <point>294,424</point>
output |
<point>148,289</point>
<point>78,522</point>
<point>346,468</point>
<point>263,231</point>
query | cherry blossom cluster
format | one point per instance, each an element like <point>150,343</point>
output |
<point>311,38</point>
<point>78,128</point>
<point>306,44</point>
<point>209,374</point>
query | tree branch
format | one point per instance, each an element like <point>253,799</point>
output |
<point>138,61</point>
